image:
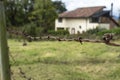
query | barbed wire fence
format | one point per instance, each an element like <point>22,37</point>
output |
<point>22,73</point>
<point>105,39</point>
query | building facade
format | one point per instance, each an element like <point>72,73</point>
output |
<point>83,19</point>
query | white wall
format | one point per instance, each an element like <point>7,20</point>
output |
<point>72,23</point>
<point>76,23</point>
<point>60,24</point>
<point>91,25</point>
<point>105,25</point>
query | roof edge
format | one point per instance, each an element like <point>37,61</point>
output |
<point>67,12</point>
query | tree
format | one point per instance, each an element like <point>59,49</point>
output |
<point>44,14</point>
<point>40,12</point>
<point>59,6</point>
<point>17,11</point>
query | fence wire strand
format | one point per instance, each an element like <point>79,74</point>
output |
<point>22,74</point>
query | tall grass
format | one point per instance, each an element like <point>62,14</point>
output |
<point>53,60</point>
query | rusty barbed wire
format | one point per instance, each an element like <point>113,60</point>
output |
<point>21,72</point>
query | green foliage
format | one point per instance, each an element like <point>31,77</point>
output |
<point>115,31</point>
<point>33,30</point>
<point>17,11</point>
<point>59,6</point>
<point>114,74</point>
<point>58,32</point>
<point>30,29</point>
<point>95,30</point>
<point>97,33</point>
<point>92,33</point>
<point>40,12</point>
<point>44,14</point>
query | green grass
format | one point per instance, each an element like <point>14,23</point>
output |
<point>47,60</point>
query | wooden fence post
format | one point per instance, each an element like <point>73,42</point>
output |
<point>4,56</point>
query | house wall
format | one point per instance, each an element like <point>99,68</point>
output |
<point>60,24</point>
<point>91,25</point>
<point>104,25</point>
<point>75,25</point>
<point>71,24</point>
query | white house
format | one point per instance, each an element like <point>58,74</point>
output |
<point>83,19</point>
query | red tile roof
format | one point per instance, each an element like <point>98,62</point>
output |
<point>82,12</point>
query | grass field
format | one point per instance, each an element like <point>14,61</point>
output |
<point>47,60</point>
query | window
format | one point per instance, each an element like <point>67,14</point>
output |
<point>80,27</point>
<point>60,20</point>
<point>94,19</point>
<point>73,31</point>
<point>60,28</point>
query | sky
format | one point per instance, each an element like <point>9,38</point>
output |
<point>73,4</point>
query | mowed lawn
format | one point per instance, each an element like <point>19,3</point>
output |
<point>53,60</point>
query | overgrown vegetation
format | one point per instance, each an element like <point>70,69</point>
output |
<point>58,32</point>
<point>47,60</point>
<point>97,33</point>
<point>116,31</point>
<point>42,13</point>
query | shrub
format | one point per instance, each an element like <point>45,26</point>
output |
<point>30,29</point>
<point>33,30</point>
<point>115,31</point>
<point>58,32</point>
<point>95,30</point>
<point>92,33</point>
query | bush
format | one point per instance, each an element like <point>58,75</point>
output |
<point>30,29</point>
<point>59,32</point>
<point>33,30</point>
<point>94,31</point>
<point>116,31</point>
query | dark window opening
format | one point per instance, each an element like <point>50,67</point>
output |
<point>94,20</point>
<point>80,27</point>
<point>60,28</point>
<point>59,19</point>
